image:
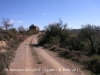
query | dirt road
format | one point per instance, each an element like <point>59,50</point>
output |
<point>23,60</point>
<point>26,64</point>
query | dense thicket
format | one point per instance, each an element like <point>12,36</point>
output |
<point>81,45</point>
<point>55,33</point>
<point>90,34</point>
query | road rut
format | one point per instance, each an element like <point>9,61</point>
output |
<point>23,61</point>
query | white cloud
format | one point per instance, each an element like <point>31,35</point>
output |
<point>11,21</point>
<point>15,15</point>
<point>19,21</point>
<point>44,14</point>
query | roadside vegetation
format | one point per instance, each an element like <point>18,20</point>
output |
<point>35,54</point>
<point>10,38</point>
<point>80,45</point>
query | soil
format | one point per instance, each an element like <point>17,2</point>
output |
<point>25,63</point>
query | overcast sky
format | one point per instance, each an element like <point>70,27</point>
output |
<point>42,12</point>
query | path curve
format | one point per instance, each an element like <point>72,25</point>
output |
<point>24,62</point>
<point>50,62</point>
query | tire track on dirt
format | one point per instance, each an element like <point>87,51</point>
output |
<point>23,61</point>
<point>49,62</point>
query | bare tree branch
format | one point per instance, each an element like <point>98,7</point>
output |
<point>6,23</point>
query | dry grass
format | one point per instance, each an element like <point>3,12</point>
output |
<point>35,55</point>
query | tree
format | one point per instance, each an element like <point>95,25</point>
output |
<point>55,31</point>
<point>21,29</point>
<point>59,29</point>
<point>90,34</point>
<point>6,23</point>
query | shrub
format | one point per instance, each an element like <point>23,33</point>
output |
<point>73,43</point>
<point>4,63</point>
<point>55,30</point>
<point>63,53</point>
<point>55,40</point>
<point>2,37</point>
<point>90,34</point>
<point>94,64</point>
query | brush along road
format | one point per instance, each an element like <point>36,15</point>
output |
<point>36,60</point>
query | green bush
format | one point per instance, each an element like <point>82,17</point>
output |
<point>57,30</point>
<point>4,62</point>
<point>94,64</point>
<point>90,34</point>
<point>73,43</point>
<point>42,40</point>
<point>63,54</point>
<point>55,40</point>
<point>30,32</point>
<point>2,38</point>
<point>8,34</point>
